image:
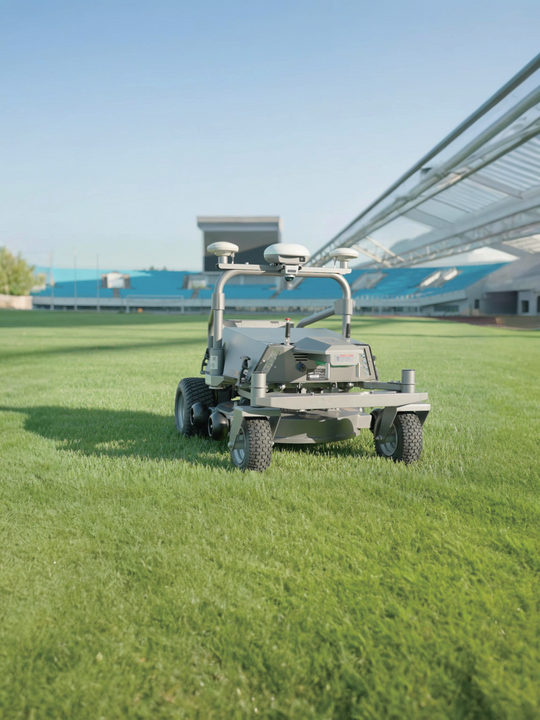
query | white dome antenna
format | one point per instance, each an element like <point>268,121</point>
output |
<point>223,250</point>
<point>286,254</point>
<point>343,255</point>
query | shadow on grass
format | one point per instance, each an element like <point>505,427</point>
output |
<point>143,435</point>
<point>340,449</point>
<point>120,433</point>
<point>70,319</point>
<point>178,343</point>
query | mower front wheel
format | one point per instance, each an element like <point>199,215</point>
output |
<point>253,445</point>
<point>404,440</point>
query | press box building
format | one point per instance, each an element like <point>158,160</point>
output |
<point>251,234</point>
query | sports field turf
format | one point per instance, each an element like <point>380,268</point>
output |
<point>142,576</point>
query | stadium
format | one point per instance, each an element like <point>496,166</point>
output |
<point>144,576</point>
<point>479,188</point>
<point>469,290</point>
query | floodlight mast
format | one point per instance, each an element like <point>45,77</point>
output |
<point>286,261</point>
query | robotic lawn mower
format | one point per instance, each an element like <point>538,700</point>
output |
<point>267,382</point>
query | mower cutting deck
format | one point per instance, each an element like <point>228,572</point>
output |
<point>268,382</point>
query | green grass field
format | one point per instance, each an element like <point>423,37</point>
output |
<point>142,576</point>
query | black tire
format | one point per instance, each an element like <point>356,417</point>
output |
<point>404,440</point>
<point>189,392</point>
<point>254,445</point>
<point>374,415</point>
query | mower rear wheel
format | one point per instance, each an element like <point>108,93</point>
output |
<point>403,442</point>
<point>253,446</point>
<point>189,392</point>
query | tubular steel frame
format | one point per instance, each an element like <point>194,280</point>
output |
<point>513,212</point>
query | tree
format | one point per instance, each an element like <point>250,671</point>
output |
<point>16,275</point>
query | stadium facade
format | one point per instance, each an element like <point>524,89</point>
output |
<point>501,288</point>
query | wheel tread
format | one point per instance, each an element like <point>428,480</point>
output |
<point>411,441</point>
<point>260,443</point>
<point>413,438</point>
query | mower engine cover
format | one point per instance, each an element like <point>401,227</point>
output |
<point>312,356</point>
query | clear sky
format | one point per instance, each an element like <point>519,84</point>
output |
<point>121,121</point>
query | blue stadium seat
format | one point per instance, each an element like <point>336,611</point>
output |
<point>397,283</point>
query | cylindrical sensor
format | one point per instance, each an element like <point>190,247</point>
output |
<point>218,426</point>
<point>408,381</point>
<point>199,415</point>
<point>258,388</point>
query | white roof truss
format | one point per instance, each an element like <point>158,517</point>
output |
<point>479,186</point>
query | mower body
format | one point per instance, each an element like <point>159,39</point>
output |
<point>266,382</point>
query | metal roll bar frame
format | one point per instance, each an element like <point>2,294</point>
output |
<point>342,307</point>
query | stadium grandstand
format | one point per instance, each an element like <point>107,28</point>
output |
<point>478,188</point>
<point>459,290</point>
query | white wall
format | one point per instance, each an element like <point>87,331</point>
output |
<point>16,302</point>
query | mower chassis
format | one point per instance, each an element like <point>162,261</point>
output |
<point>331,417</point>
<point>323,408</point>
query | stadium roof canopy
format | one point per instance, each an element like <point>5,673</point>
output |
<point>480,186</point>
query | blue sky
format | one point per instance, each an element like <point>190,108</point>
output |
<point>123,121</point>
